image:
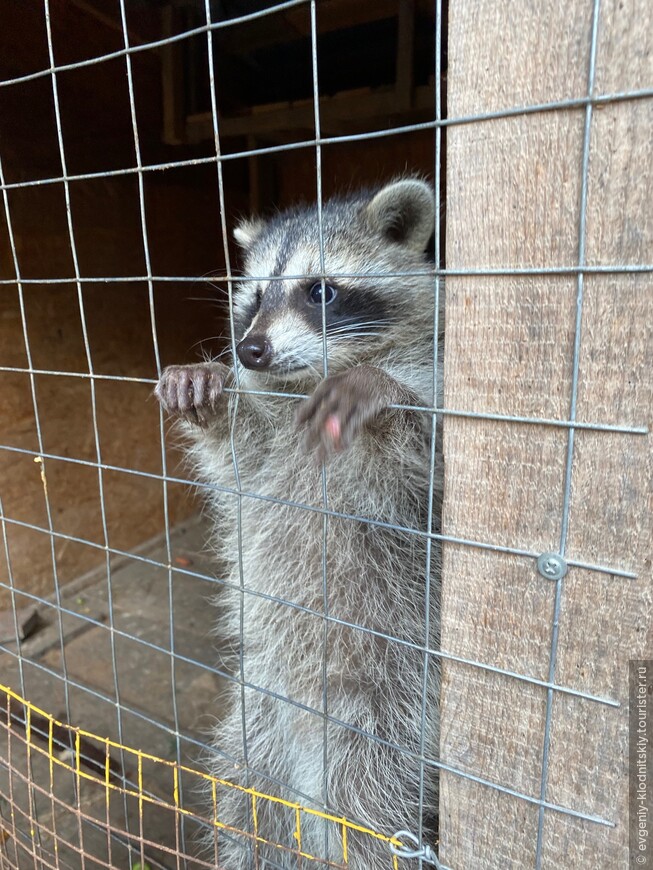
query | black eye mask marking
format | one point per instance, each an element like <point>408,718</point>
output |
<point>244,317</point>
<point>344,308</point>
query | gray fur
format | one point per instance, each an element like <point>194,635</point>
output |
<point>378,467</point>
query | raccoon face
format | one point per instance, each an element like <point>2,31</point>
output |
<point>288,320</point>
<point>283,323</point>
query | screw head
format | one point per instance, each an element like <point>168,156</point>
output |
<point>552,566</point>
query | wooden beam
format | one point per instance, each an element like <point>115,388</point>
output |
<point>405,53</point>
<point>172,79</point>
<point>347,109</point>
<point>263,187</point>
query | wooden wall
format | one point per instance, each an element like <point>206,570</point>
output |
<point>184,241</point>
<point>514,200</point>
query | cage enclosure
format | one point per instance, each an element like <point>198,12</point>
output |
<point>134,135</point>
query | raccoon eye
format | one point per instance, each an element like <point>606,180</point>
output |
<point>315,293</point>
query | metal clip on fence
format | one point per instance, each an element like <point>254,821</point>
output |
<point>423,851</point>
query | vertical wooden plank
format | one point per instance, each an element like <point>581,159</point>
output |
<point>172,79</point>
<point>605,621</point>
<point>513,201</point>
<point>404,81</point>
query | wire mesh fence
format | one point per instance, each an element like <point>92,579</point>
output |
<point>72,755</point>
<point>96,786</point>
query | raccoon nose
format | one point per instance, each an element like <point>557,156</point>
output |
<point>254,352</point>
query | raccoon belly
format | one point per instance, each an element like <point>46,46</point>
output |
<point>373,687</point>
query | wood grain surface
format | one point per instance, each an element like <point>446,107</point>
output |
<point>513,201</point>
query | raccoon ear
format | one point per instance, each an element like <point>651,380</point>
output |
<point>404,212</point>
<point>247,231</point>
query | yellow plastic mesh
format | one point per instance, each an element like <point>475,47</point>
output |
<point>71,798</point>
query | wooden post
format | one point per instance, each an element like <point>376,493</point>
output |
<point>405,54</point>
<point>262,179</point>
<point>515,200</point>
<point>172,79</point>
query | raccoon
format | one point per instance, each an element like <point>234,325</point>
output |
<point>316,483</point>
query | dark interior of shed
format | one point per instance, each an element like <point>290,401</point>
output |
<point>374,73</point>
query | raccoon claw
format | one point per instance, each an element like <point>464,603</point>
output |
<point>340,408</point>
<point>192,392</point>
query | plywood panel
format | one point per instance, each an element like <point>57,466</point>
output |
<point>184,240</point>
<point>513,201</point>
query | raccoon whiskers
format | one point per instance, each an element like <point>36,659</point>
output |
<point>351,334</point>
<point>356,320</point>
<point>211,338</point>
<point>355,325</point>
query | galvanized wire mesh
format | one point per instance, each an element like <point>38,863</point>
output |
<point>25,832</point>
<point>67,754</point>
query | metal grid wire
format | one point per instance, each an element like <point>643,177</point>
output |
<point>104,776</point>
<point>88,757</point>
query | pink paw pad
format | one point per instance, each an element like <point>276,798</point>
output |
<point>333,428</point>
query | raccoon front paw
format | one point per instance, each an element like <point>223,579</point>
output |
<point>341,406</point>
<point>192,392</point>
